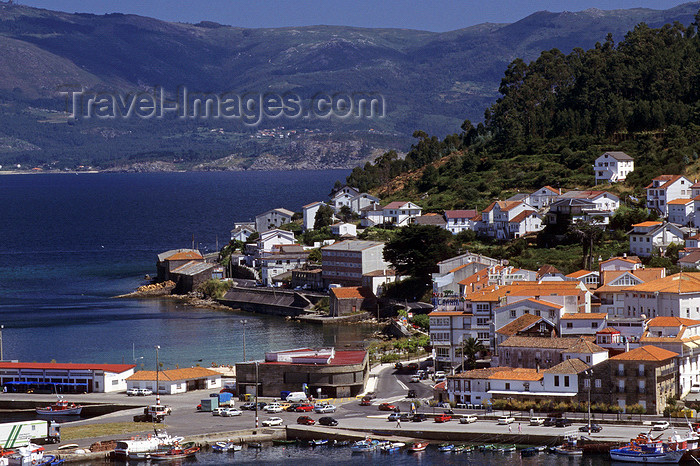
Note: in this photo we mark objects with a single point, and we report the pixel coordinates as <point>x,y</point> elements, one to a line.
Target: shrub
<point>214,289</point>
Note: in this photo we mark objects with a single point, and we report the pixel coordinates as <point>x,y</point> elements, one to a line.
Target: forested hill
<point>558,113</point>
<point>430,81</point>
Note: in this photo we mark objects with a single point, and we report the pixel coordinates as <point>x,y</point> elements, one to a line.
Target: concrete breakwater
<point>270,301</point>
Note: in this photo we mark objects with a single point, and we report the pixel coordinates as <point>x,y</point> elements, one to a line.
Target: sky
<point>431,15</point>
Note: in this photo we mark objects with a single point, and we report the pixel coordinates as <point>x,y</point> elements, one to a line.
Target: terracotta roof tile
<point>471,213</point>
<point>562,343</point>
<point>484,373</point>
<point>579,273</point>
<point>518,374</point>
<point>664,321</point>
<point>646,353</point>
<point>172,375</point>
<point>522,216</point>
<point>569,366</point>
<point>182,256</point>
<point>688,282</point>
<point>679,202</point>
<point>584,315</point>
<point>610,330</point>
<point>521,323</point>
<point>351,292</point>
<point>584,346</point>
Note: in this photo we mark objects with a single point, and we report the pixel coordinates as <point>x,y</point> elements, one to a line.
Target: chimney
<point>627,345</point>
<point>537,366</point>
<point>624,254</point>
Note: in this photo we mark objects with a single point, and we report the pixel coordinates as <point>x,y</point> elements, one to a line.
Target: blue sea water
<point>68,243</point>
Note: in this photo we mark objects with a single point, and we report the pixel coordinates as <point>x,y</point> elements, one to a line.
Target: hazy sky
<point>432,15</point>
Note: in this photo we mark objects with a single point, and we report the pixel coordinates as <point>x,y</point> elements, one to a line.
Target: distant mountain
<point>430,81</point>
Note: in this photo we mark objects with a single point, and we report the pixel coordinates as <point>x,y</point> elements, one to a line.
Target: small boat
<point>392,447</point>
<point>222,447</point>
<point>570,447</point>
<point>319,442</point>
<point>532,451</point>
<point>487,448</point>
<point>463,448</point>
<point>364,445</point>
<point>285,442</point>
<point>342,443</point>
<point>138,446</point>
<point>176,452</point>
<point>419,446</point>
<point>50,460</point>
<point>506,448</point>
<point>29,454</point>
<point>446,447</point>
<point>256,445</point>
<point>60,408</point>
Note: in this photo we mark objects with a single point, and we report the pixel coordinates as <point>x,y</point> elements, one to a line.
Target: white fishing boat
<point>133,447</point>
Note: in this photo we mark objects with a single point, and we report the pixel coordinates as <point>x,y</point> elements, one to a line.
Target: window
<point>569,325</point>
<point>513,313</point>
<point>507,386</point>
<point>588,359</point>
<point>587,383</point>
<point>442,352</point>
<point>594,324</point>
<point>566,380</point>
<point>598,383</point>
<point>556,380</point>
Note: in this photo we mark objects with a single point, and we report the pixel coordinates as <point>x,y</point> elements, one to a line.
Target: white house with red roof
<point>400,213</point>
<point>526,222</point>
<point>612,167</point>
<point>665,188</point>
<point>649,237</point>
<point>460,220</point>
<point>620,263</point>
<point>65,377</point>
<point>587,277</point>
<point>681,211</point>
<point>496,218</point>
<point>582,323</point>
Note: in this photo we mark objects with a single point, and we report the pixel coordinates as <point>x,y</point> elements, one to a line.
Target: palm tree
<point>470,349</point>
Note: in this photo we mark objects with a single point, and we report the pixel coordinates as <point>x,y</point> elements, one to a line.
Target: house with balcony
<point>589,278</point>
<point>400,213</point>
<point>645,375</point>
<point>460,220</point>
<point>650,237</point>
<point>612,167</point>
<point>666,188</point>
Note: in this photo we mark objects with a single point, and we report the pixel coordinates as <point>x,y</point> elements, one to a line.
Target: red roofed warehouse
<point>326,371</point>
<point>64,377</point>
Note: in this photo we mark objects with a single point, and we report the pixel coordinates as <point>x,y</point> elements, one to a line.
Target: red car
<point>387,407</point>
<point>366,402</point>
<point>304,409</point>
<point>305,420</point>
<point>442,418</point>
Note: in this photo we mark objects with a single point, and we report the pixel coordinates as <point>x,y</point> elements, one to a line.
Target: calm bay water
<point>68,243</point>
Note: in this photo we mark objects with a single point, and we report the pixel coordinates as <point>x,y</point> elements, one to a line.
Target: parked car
<point>414,378</point>
<point>230,412</point>
<point>217,411</point>
<point>394,416</point>
<point>273,408</point>
<point>305,420</point>
<point>132,392</point>
<point>468,419</point>
<point>537,421</point>
<point>419,417</point>
<point>321,409</point>
<point>660,425</point>
<point>506,420</point>
<point>304,409</point>
<point>328,421</point>
<point>563,422</point>
<point>249,406</point>
<point>388,407</point>
<point>695,388</point>
<point>273,421</point>
<point>443,418</point>
<point>594,428</point>
<point>139,392</point>
<point>550,421</point>
<point>365,402</point>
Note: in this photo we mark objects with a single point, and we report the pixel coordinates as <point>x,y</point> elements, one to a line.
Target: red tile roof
<point>585,315</point>
<point>182,256</point>
<point>646,224</point>
<point>351,292</point>
<point>579,273</point>
<point>471,213</point>
<point>610,330</point>
<point>522,216</point>
<point>664,321</point>
<point>646,353</point>
<point>521,323</point>
<point>187,373</point>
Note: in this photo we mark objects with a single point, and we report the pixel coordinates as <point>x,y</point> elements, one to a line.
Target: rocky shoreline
<point>164,290</point>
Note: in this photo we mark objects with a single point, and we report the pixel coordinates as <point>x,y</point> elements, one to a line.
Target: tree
<point>324,217</point>
<point>588,233</point>
<point>416,250</point>
<point>470,349</point>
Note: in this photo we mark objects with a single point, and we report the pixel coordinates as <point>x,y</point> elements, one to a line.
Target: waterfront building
<point>170,260</point>
<point>190,275</point>
<point>377,280</point>
<point>281,261</point>
<point>56,377</point>
<point>666,188</point>
<point>345,262</point>
<point>645,376</point>
<point>612,167</point>
<point>310,279</point>
<point>272,219</point>
<point>346,301</point>
<point>242,232</point>
<point>173,381</point>
<point>328,372</point>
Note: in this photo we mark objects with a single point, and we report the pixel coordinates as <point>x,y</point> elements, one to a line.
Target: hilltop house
<point>460,220</point>
<point>341,197</point>
<point>362,200</point>
<point>665,188</point>
<point>681,211</point>
<point>309,214</point>
<point>543,197</point>
<point>401,213</point>
<point>612,167</point>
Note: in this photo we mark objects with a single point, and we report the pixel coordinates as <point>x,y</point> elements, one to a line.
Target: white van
<point>296,397</point>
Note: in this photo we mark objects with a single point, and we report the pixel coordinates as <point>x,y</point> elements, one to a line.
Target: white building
<point>543,197</point>
<point>344,229</point>
<point>242,232</point>
<point>495,219</point>
<point>582,323</point>
<point>65,377</point>
<point>650,237</point>
<point>460,220</point>
<point>401,213</point>
<point>675,296</point>
<point>665,188</point>
<point>362,200</point>
<point>612,167</point>
<point>526,222</point>
<point>309,214</point>
<point>372,215</point>
<point>345,262</point>
<point>620,263</point>
<point>342,197</point>
<point>681,211</point>
<point>271,239</point>
<point>615,284</point>
<point>272,219</point>
<point>173,381</point>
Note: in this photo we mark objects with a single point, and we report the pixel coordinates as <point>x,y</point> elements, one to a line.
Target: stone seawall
<point>267,301</point>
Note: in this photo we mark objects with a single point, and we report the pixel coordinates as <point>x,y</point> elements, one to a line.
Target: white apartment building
<point>345,262</point>
<point>272,219</point>
<point>675,296</point>
<point>646,238</point>
<point>665,188</point>
<point>681,211</point>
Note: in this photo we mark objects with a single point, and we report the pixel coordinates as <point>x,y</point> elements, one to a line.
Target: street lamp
<point>1,353</point>
<point>257,388</point>
<point>589,373</point>
<point>243,322</point>
<point>157,370</point>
